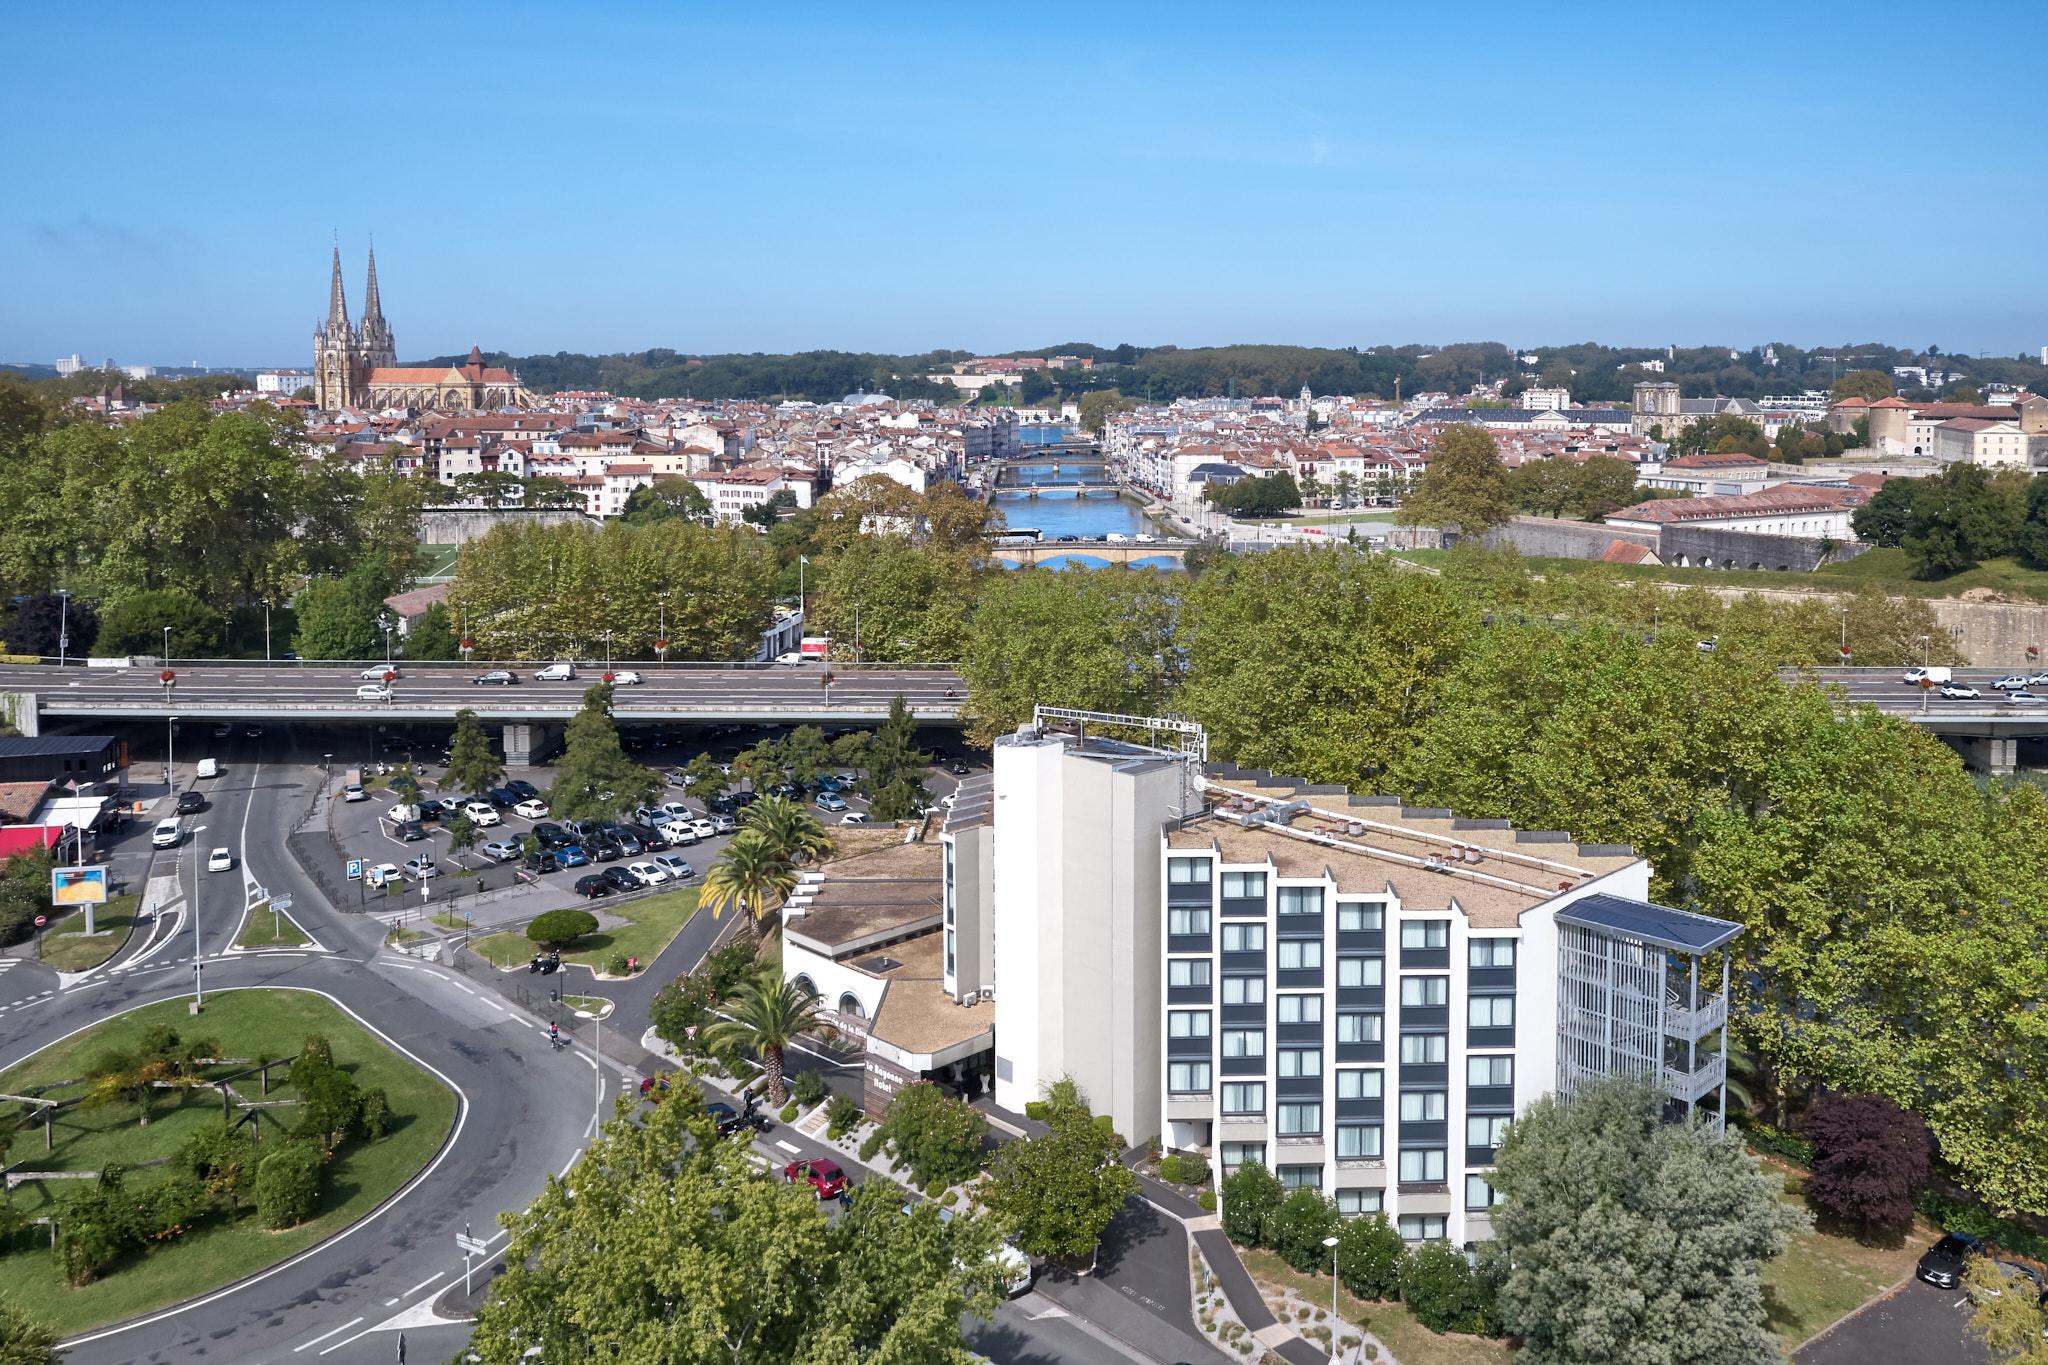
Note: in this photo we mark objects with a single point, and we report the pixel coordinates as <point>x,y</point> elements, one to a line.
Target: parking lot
<point>1914,1322</point>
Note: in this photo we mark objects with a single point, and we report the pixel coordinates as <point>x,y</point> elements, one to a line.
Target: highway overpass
<point>1987,731</point>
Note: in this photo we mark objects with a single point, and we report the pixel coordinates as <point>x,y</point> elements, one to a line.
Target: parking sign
<point>355,869</point>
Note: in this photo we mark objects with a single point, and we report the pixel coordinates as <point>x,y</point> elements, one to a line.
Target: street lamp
<point>1330,1245</point>
<point>167,644</point>
<point>198,981</point>
<point>63,626</point>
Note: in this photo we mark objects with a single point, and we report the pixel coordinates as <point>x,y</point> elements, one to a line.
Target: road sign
<point>355,869</point>
<point>283,902</point>
<point>470,1246</point>
<point>41,921</point>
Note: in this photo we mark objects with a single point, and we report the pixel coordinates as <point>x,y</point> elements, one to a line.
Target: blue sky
<point>778,177</point>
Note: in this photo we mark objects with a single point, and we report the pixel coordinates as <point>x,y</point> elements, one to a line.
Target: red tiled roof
<point>1784,500</point>
<point>1716,459</point>
<point>1625,552</point>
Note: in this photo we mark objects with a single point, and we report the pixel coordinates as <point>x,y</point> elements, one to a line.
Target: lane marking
<point>423,1284</point>
<point>789,1147</point>
<point>324,1335</point>
<point>346,1341</point>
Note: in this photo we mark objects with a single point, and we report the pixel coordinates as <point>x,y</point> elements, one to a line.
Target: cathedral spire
<point>337,302</point>
<point>373,308</point>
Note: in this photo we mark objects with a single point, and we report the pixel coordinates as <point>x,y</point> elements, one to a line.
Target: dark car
<point>524,790</point>
<point>540,860</point>
<point>727,804</point>
<point>552,835</point>
<point>1942,1265</point>
<point>1070,540</point>
<point>745,799</point>
<point>497,677</point>
<point>621,880</point>
<point>504,798</point>
<point>411,831</point>
<point>593,885</point>
<point>572,855</point>
<point>650,839</point>
<point>724,1118</point>
<point>823,1176</point>
<point>629,844</point>
<point>788,791</point>
<point>191,803</point>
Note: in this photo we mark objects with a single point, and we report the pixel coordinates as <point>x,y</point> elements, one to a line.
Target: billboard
<point>78,885</point>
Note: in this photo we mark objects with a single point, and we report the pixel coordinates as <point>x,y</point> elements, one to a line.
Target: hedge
<point>1955,1215</point>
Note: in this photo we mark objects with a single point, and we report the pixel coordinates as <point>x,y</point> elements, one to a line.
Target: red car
<point>825,1176</point>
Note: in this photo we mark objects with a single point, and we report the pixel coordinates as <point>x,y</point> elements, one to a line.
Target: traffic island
<point>636,927</point>
<point>66,946</point>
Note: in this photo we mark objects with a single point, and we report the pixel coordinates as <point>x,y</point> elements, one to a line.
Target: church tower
<point>377,349</point>
<point>334,349</point>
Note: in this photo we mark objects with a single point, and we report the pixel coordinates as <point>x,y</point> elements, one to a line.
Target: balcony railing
<point>1690,1086</point>
<point>1694,1023</point>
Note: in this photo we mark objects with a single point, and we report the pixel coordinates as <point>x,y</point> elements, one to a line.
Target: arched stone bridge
<point>1024,555</point>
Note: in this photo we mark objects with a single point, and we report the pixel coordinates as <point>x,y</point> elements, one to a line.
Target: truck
<point>814,648</point>
<point>208,768</point>
<point>1933,676</point>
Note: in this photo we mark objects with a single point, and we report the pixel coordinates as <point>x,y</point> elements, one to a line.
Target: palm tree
<point>752,875</point>
<point>765,1015</point>
<point>788,827</point>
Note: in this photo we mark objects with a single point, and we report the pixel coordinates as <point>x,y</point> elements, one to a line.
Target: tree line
<point>1954,521</point>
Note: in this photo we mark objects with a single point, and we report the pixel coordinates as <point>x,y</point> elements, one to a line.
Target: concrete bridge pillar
<point>1988,753</point>
<point>530,741</point>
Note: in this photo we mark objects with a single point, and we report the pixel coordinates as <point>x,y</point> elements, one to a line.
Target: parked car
<point>724,1117</point>
<point>504,798</point>
<point>572,855</point>
<point>624,677</point>
<point>956,767</point>
<point>522,789</point>
<point>483,814</point>
<point>449,806</point>
<point>353,791</point>
<point>497,677</point>
<point>824,1176</point>
<point>649,839</point>
<point>2010,1273</point>
<point>677,866</point>
<point>531,809</point>
<point>382,874</point>
<point>220,860</point>
<point>556,673</point>
<point>379,673</point>
<point>409,831</point>
<point>552,836</point>
<point>191,803</point>
<point>676,810</point>
<point>592,885</point>
<point>501,850</point>
<point>853,817</point>
<point>680,833</point>
<point>1959,692</point>
<point>831,801</point>
<point>421,868</point>
<point>167,833</point>
<point>788,791</point>
<point>373,692</point>
<point>621,878</point>
<point>540,860</point>
<point>647,873</point>
<point>1941,1265</point>
<point>789,660</point>
<point>722,824</point>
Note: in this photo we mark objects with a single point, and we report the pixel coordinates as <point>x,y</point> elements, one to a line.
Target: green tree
<point>751,875</point>
<point>1297,1228</point>
<point>1605,484</point>
<point>1057,1193</point>
<point>1722,432</point>
<point>665,1245</point>
<point>2014,1327</point>
<point>542,491</point>
<point>1251,1196</point>
<point>462,835</point>
<point>1888,516</point>
<point>432,636</point>
<point>1369,1255</point>
<point>472,767</point>
<point>1441,1290</point>
<point>1870,385</point>
<point>23,1339</point>
<point>594,779</point>
<point>765,1015</point>
<point>1099,406</point>
<point>134,624</point>
<point>788,829</point>
<point>896,767</point>
<point>768,511</point>
<point>339,618</point>
<point>388,513</point>
<point>885,598</point>
<point>1544,487</point>
<point>1630,1238</point>
<point>1463,488</point>
<point>665,499</point>
<point>560,928</point>
<point>1961,517</point>
<point>495,488</point>
<point>937,1137</point>
<point>288,1184</point>
<point>707,775</point>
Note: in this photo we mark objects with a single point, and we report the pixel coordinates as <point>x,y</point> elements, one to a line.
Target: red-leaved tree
<point>1870,1158</point>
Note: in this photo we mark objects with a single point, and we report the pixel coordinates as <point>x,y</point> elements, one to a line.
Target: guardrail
<point>478,664</point>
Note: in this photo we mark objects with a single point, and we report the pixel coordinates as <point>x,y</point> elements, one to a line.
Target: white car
<point>703,829</point>
<point>625,677</point>
<point>382,874</point>
<point>647,873</point>
<point>679,832</point>
<point>421,868</point>
<point>1959,692</point>
<point>2011,682</point>
<point>501,850</point>
<point>354,792</point>
<point>483,814</point>
<point>535,809</point>
<point>678,869</point>
<point>167,833</point>
<point>373,692</point>
<point>220,860</point>
<point>853,817</point>
<point>676,810</point>
<point>792,660</point>
<point>378,672</point>
<point>556,673</point>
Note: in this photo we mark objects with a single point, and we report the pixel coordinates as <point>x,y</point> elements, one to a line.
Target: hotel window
<point>1424,1049</point>
<point>1492,952</point>
<point>1479,1194</point>
<point>1235,1154</point>
<point>1357,1027</point>
<point>1244,938</point>
<point>1187,1023</point>
<point>1299,954</point>
<point>1426,933</point>
<point>1351,1203</point>
<point>1489,1071</point>
<point>1301,900</point>
<point>1187,919</point>
<point>1425,990</point>
<point>1490,1011</point>
<point>1300,1177</point>
<point>1422,1166</point>
<point>1244,1097</point>
<point>1244,990</point>
<point>1360,916</point>
<point>1298,1120</point>
<point>1185,1078</point>
<point>1360,971</point>
<point>1300,1009</point>
<point>1296,1062</point>
<point>1355,1084</point>
<point>1422,1227</point>
<point>1187,971</point>
<point>1244,886</point>
<point>1422,1106</point>
<point>1244,1042</point>
<point>1485,1130</point>
<point>1188,871</point>
<point>1358,1140</point>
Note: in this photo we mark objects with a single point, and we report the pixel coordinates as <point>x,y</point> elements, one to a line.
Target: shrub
<point>1956,1215</point>
<point>559,928</point>
<point>870,1145</point>
<point>788,1112</point>
<point>374,1116</point>
<point>1441,1290</point>
<point>1107,1125</point>
<point>1870,1158</point>
<point>288,1184</point>
<point>1778,1142</point>
<point>1369,1254</point>
<point>808,1087</point>
<point>168,1208</point>
<point>1169,1168</point>
<point>1250,1193</point>
<point>1194,1170</point>
<point>1035,1110</point>
<point>841,1115</point>
<point>223,1161</point>
<point>618,964</point>
<point>936,1136</point>
<point>1207,1199</point>
<point>1297,1228</point>
<point>96,1228</point>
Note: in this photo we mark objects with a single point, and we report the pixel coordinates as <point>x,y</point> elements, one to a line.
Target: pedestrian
<point>845,1200</point>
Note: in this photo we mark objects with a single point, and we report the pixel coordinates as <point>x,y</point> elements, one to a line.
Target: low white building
<point>734,491</point>
<point>1787,510</point>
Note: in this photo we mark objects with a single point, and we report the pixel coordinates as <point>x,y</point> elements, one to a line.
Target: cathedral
<point>357,366</point>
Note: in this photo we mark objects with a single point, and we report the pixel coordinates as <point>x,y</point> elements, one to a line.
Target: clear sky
<point>786,176</point>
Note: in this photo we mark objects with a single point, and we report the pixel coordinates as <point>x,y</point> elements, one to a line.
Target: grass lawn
<point>1410,1342</point>
<point>1823,1277</point>
<point>242,1023</point>
<point>66,947</point>
<point>264,930</point>
<point>654,921</point>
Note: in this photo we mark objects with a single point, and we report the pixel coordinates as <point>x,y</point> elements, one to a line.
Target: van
<point>402,813</point>
<point>1932,677</point>
<point>556,673</point>
<point>208,768</point>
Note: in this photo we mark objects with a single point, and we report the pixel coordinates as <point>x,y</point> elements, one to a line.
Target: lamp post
<point>198,967</point>
<point>167,644</point>
<point>1845,634</point>
<point>170,751</point>
<point>1330,1245</point>
<point>266,632</point>
<point>63,626</point>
